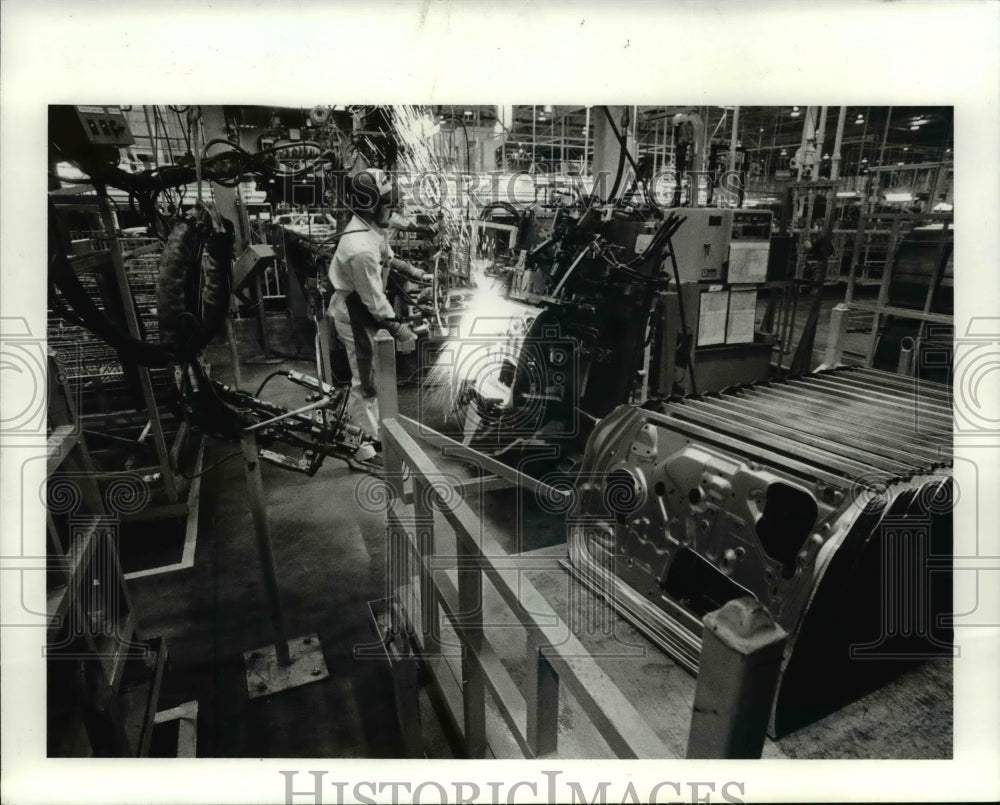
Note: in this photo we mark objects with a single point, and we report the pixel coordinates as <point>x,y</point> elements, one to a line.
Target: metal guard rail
<point>554,657</point>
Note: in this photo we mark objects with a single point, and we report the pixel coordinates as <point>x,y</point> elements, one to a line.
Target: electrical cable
<point>663,233</point>
<point>60,308</point>
<point>468,150</point>
<point>166,132</point>
<point>499,205</point>
<point>621,159</point>
<point>625,153</point>
<point>64,277</point>
<point>683,316</point>
<point>197,165</point>
<point>185,129</point>
<point>267,380</point>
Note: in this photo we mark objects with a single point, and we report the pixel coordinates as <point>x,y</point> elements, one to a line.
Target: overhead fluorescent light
<point>898,197</point>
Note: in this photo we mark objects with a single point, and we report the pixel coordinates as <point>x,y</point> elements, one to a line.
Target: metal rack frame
<point>89,615</point>
<point>880,307</point>
<point>111,260</point>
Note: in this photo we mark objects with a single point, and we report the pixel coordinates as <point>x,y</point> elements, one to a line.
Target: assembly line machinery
<point>189,290</point>
<point>826,496</point>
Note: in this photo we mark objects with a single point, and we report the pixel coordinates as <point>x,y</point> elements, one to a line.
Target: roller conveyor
<point>794,492</point>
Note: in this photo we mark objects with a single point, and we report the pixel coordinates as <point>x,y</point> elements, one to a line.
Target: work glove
<point>427,278</point>
<point>401,332</point>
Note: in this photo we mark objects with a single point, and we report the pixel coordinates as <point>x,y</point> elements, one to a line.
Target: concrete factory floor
<point>330,557</point>
<point>329,553</point>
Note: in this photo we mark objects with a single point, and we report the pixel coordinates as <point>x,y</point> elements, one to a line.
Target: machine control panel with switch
<point>94,125</point>
<point>701,245</point>
<point>104,125</point>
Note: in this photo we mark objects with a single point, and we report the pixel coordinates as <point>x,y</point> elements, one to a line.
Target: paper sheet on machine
<point>712,321</point>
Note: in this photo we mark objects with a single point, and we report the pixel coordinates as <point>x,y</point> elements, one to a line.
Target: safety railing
<point>881,307</point>
<point>451,584</point>
<point>555,658</point>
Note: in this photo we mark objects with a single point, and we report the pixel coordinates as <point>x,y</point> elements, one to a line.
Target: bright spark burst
<point>486,334</point>
<point>422,166</point>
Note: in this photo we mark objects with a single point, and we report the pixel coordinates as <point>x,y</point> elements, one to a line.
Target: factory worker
<point>358,272</point>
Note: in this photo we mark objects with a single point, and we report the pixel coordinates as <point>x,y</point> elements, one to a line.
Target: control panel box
<point>96,125</point>
<point>701,245</point>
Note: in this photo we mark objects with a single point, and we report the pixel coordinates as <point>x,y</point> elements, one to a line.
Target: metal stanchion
<point>835,339</point>
<point>286,663</point>
<point>905,364</point>
<point>738,671</point>
<point>388,405</point>
<point>234,354</point>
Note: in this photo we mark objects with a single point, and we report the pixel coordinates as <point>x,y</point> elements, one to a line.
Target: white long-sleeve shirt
<point>361,263</point>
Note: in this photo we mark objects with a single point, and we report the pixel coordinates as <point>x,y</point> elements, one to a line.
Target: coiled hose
<point>193,286</point>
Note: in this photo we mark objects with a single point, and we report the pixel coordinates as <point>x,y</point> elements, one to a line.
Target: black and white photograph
<point>507,435</point>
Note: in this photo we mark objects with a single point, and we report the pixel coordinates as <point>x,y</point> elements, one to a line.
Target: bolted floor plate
<point>265,677</point>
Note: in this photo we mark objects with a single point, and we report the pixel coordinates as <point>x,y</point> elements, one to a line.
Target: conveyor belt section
<point>854,423</point>
<point>784,491</point>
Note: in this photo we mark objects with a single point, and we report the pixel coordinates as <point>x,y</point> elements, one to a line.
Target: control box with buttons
<point>104,125</point>
<point>87,133</point>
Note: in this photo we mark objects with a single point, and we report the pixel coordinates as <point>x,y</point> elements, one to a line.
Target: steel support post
<point>738,671</point>
<point>285,664</point>
<point>392,462</point>
<point>388,405</point>
<point>469,625</point>
<point>234,353</point>
<point>541,699</point>
<point>607,151</point>
<point>262,536</point>
<point>905,364</point>
<point>837,142</point>
<point>132,323</point>
<point>213,125</point>
<point>731,164</point>
<point>835,339</point>
<point>423,521</point>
